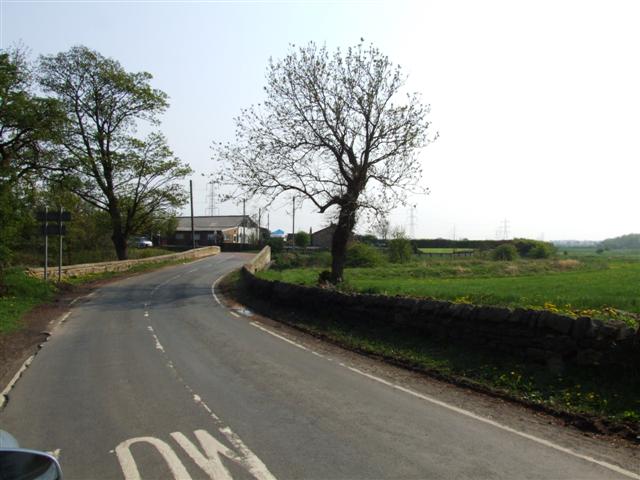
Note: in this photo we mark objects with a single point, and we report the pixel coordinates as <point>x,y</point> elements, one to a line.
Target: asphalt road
<point>152,378</point>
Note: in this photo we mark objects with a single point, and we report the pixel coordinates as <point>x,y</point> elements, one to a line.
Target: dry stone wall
<point>70,271</point>
<point>535,335</point>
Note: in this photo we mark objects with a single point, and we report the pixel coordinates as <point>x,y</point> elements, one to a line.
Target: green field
<point>588,285</point>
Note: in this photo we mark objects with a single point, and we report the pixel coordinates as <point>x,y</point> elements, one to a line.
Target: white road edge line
<point>234,314</point>
<point>257,325</point>
<point>213,290</point>
<point>14,380</point>
<point>467,413</point>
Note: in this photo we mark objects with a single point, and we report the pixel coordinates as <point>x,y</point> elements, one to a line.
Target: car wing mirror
<point>23,464</point>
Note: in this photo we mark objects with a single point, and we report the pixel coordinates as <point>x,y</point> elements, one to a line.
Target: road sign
<point>52,216</point>
<point>54,229</point>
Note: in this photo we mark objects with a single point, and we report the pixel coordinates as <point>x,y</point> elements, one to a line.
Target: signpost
<point>57,228</point>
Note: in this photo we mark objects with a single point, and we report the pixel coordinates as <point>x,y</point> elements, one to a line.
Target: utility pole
<point>269,221</point>
<point>412,221</point>
<point>259,225</point>
<point>243,218</point>
<point>193,236</point>
<point>293,227</point>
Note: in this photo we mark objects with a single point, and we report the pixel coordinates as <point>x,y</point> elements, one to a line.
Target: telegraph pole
<point>193,236</point>
<point>412,221</point>
<point>259,225</point>
<point>243,218</point>
<point>293,227</point>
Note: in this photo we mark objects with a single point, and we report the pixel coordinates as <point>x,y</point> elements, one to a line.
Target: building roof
<point>219,222</point>
<point>332,227</point>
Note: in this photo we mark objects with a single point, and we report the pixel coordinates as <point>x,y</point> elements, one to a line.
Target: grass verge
<point>23,293</point>
<point>595,398</point>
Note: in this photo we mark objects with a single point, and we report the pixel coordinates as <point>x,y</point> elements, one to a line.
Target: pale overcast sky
<point>537,103</point>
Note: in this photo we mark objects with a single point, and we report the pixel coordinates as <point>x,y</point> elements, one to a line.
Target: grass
<point>594,286</point>
<point>23,293</point>
<point>596,391</point>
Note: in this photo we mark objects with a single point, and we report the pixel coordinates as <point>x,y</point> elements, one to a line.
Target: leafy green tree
<point>276,244</point>
<point>400,250</point>
<point>363,255</point>
<point>302,239</point>
<point>505,252</point>
<point>27,124</point>
<point>133,180</point>
<point>335,129</point>
<point>631,241</point>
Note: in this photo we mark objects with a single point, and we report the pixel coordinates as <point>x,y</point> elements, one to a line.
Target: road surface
<point>151,377</point>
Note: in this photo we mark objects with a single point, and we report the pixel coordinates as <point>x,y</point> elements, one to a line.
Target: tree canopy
<point>101,159</point>
<point>334,129</point>
<point>27,121</point>
<point>28,124</point>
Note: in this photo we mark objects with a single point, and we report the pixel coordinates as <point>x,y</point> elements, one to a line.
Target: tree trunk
<point>346,222</point>
<point>120,243</point>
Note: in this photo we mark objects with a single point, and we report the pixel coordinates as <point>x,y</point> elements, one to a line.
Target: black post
<point>193,236</point>
<point>60,246</point>
<point>46,244</point>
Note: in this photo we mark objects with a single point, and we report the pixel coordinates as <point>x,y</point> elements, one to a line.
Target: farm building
<point>323,238</point>
<point>216,230</point>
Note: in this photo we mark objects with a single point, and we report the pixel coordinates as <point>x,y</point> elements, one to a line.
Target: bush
<point>302,239</point>
<point>276,244</point>
<point>533,248</point>
<point>400,250</point>
<point>541,250</point>
<point>287,260</point>
<point>363,255</point>
<point>505,252</point>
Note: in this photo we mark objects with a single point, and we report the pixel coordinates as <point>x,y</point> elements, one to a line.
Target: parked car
<point>143,242</point>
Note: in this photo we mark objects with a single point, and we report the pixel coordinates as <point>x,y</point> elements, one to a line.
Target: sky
<point>537,104</point>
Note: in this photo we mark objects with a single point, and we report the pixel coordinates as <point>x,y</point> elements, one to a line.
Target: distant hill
<point>631,240</point>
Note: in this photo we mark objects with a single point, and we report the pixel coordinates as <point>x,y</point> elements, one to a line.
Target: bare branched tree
<point>331,131</point>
